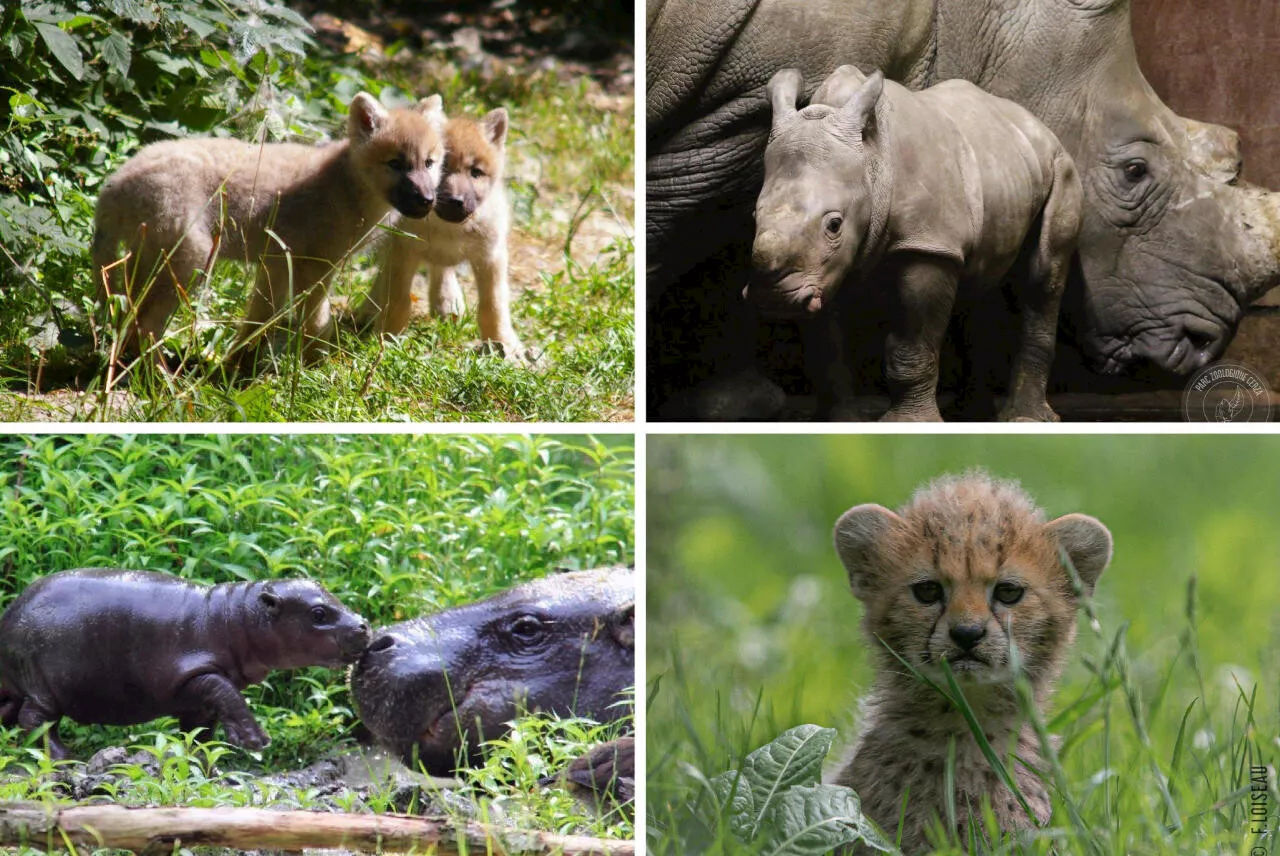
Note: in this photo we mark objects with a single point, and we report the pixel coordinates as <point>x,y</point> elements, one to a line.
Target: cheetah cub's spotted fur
<point>966,572</point>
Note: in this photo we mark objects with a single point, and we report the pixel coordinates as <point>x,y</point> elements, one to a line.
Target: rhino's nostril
<point>382,643</point>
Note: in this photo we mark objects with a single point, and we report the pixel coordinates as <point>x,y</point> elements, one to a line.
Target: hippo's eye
<point>526,629</point>
<point>1135,170</point>
<point>832,224</point>
<point>927,592</point>
<point>319,615</point>
<point>1008,593</point>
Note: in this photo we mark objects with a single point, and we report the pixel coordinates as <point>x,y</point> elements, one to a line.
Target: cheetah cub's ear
<point>1086,541</point>
<point>864,542</point>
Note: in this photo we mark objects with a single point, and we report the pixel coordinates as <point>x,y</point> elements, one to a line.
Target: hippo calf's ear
<point>857,117</point>
<point>1087,543</point>
<point>863,535</point>
<point>268,598</point>
<point>622,625</point>
<point>783,91</point>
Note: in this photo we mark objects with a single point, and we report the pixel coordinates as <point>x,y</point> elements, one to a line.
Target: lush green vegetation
<point>82,90</point>
<point>394,525</point>
<point>1171,693</point>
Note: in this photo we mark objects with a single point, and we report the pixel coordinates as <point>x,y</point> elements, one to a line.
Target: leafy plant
<point>777,804</point>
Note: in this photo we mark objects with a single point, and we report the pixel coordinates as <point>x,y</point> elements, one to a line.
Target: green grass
<point>394,525</point>
<point>1170,696</point>
<point>566,159</point>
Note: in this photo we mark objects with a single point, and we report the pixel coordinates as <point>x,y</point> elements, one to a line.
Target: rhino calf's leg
<point>1041,296</point>
<point>924,290</point>
<point>214,692</point>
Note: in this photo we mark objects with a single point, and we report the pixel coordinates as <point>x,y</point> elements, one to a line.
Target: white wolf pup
<point>470,223</point>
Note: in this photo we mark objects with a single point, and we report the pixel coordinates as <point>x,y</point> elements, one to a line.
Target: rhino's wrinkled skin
<point>924,194</point>
<point>1172,246</point>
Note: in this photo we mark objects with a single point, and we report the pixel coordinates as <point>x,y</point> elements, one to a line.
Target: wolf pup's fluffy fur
<point>299,210</point>
<point>470,223</point>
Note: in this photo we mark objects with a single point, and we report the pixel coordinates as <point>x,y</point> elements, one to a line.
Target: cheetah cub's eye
<point>927,592</point>
<point>1009,593</point>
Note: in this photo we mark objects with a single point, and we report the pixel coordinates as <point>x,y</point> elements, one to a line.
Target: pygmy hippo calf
<point>433,688</point>
<point>118,647</point>
<point>924,194</point>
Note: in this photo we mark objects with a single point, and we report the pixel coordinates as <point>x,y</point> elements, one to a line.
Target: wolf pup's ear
<point>433,108</point>
<point>366,117</point>
<point>495,126</point>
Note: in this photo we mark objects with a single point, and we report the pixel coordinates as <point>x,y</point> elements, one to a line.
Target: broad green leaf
<point>794,758</point>
<point>64,49</point>
<point>739,802</point>
<point>809,821</point>
<point>117,53</point>
<point>134,10</point>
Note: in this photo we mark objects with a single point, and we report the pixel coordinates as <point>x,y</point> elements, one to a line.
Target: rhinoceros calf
<point>924,194</point>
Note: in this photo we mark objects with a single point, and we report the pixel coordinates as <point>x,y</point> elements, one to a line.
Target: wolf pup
<point>297,209</point>
<point>470,223</point>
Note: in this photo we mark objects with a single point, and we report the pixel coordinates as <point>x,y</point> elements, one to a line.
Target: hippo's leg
<point>923,291</point>
<point>1041,295</point>
<point>35,713</point>
<point>199,720</point>
<point>214,692</point>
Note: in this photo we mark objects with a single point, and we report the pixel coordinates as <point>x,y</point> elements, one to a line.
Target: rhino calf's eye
<point>928,592</point>
<point>833,224</point>
<point>1135,171</point>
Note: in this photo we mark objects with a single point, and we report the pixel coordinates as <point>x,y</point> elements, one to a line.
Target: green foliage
<point>394,525</point>
<point>778,805</point>
<point>80,88</point>
<point>1168,698</point>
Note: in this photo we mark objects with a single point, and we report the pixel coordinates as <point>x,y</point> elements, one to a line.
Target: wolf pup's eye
<point>927,592</point>
<point>1009,593</point>
<point>398,164</point>
<point>477,172</point>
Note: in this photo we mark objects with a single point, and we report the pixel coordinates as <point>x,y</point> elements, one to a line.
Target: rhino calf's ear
<point>858,116</point>
<point>1087,542</point>
<point>783,91</point>
<point>862,537</point>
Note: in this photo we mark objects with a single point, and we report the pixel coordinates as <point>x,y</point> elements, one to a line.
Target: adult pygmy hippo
<point>434,687</point>
<point>118,647</point>
<point>927,193</point>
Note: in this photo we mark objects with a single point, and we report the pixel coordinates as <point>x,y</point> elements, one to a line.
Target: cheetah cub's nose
<point>968,635</point>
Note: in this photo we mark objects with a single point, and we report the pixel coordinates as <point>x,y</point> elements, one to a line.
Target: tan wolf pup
<point>470,222</point>
<point>298,209</point>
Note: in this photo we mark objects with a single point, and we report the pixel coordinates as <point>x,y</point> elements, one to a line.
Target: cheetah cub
<point>967,571</point>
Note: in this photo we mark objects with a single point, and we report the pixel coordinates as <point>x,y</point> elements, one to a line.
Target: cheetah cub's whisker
<point>967,572</point>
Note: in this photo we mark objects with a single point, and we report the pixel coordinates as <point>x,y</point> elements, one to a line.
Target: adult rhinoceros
<point>1173,246</point>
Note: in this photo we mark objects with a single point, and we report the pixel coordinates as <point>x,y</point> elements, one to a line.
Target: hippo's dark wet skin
<point>114,647</point>
<point>433,688</point>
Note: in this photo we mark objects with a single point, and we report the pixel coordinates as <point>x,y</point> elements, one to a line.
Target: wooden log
<point>159,830</point>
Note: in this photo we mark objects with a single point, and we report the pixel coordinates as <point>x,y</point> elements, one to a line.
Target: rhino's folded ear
<point>858,116</point>
<point>783,91</point>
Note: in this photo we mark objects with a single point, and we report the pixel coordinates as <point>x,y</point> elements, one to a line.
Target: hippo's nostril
<point>382,643</point>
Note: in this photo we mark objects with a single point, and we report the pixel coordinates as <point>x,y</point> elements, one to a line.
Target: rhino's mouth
<point>775,299</point>
<point>1180,347</point>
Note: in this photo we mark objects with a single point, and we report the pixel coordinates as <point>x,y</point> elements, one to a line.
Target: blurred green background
<point>752,628</point>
